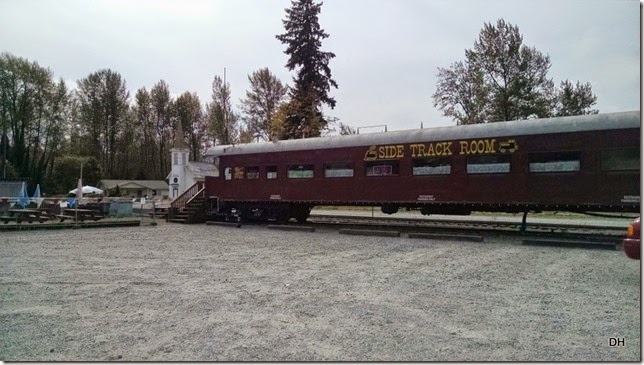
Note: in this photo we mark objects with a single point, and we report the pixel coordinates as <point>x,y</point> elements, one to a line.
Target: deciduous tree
<point>190,115</point>
<point>222,121</point>
<point>104,106</point>
<point>162,116</point>
<point>575,99</point>
<point>32,108</point>
<point>262,101</point>
<point>503,79</point>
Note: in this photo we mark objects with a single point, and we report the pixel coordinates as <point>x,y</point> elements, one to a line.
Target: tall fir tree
<point>303,39</point>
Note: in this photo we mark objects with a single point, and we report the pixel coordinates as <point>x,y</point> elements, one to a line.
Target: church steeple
<point>179,138</point>
<point>179,158</point>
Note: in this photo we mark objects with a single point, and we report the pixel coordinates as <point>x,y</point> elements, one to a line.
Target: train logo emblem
<point>509,146</point>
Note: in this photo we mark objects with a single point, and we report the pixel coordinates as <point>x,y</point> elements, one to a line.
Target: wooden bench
<point>39,218</point>
<point>7,219</point>
<point>63,217</point>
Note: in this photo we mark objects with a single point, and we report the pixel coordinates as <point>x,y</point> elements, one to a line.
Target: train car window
<point>382,168</point>
<point>488,164</point>
<point>252,173</point>
<point>554,162</point>
<point>627,159</point>
<point>300,172</point>
<point>271,172</point>
<point>338,169</point>
<point>431,166</point>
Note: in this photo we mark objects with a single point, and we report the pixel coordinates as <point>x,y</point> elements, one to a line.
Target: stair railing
<point>180,202</point>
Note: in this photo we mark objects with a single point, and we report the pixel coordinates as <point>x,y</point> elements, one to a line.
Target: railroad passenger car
<point>579,163</point>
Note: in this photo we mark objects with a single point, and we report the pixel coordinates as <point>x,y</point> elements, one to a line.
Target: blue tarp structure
<point>23,198</point>
<point>36,197</point>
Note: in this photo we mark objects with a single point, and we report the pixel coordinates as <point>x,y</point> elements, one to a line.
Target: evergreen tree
<point>303,39</point>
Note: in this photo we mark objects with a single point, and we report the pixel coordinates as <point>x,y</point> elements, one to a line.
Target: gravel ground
<point>210,293</point>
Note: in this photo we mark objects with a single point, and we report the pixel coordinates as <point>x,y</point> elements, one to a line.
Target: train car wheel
<point>301,213</point>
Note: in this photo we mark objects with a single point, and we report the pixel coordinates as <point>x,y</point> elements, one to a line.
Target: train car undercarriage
<point>282,212</point>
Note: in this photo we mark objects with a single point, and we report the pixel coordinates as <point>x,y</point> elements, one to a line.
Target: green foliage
<point>115,191</point>
<point>262,102</point>
<point>32,118</point>
<point>502,79</point>
<point>222,121</point>
<point>346,129</point>
<point>303,38</point>
<point>145,134</point>
<point>104,105</point>
<point>462,94</point>
<point>301,121</point>
<point>68,170</point>
<point>575,100</point>
<point>162,114</point>
<point>189,114</point>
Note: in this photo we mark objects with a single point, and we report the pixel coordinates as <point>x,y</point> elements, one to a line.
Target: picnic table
<point>80,214</point>
<point>21,215</point>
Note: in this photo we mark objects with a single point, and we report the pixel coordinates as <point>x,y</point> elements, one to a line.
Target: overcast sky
<point>387,51</point>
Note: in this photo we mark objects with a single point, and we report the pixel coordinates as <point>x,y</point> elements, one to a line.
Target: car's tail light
<point>633,231</point>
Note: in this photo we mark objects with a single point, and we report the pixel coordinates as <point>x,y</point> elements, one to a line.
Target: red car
<point>632,241</point>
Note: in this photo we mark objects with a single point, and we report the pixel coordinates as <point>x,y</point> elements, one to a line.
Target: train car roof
<point>605,121</point>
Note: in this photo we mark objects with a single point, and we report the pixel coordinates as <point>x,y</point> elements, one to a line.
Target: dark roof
<point>499,129</point>
<point>10,189</point>
<point>150,184</point>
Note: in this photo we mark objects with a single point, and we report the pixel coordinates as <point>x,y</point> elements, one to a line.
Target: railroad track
<point>555,232</point>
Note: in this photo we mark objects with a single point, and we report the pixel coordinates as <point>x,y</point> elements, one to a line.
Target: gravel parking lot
<point>210,293</point>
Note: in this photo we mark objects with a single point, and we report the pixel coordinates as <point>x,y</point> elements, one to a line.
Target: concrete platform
<point>570,243</point>
<point>224,224</point>
<point>370,232</point>
<point>66,225</point>
<point>565,219</point>
<point>440,236</point>
<point>291,228</point>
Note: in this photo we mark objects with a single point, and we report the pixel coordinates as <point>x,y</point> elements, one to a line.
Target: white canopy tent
<point>87,190</point>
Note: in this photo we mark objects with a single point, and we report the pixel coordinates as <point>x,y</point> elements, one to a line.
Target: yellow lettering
<point>446,148</point>
<point>430,150</point>
<point>421,150</point>
<point>489,146</point>
<point>388,152</point>
<point>439,149</point>
<point>464,149</point>
<point>413,147</point>
<point>478,146</point>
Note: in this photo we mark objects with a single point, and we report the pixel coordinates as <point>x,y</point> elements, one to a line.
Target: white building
<point>185,173</point>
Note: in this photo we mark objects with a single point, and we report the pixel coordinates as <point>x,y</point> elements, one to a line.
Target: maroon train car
<point>580,163</point>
